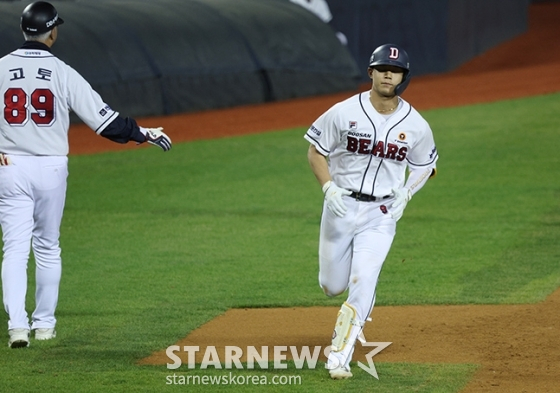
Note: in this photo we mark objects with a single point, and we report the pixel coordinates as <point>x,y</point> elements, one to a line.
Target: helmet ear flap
<point>404,84</point>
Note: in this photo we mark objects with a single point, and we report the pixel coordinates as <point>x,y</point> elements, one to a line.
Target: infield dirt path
<point>518,346</point>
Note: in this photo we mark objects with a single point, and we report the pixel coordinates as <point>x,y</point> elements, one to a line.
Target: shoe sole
<point>19,344</point>
<point>341,375</point>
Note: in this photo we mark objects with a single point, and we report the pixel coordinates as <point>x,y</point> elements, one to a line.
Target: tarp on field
<point>168,56</point>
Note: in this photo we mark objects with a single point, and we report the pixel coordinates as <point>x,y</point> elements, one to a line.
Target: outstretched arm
<point>122,130</point>
<point>99,116</point>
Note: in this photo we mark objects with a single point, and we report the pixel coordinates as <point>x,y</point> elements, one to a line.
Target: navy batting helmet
<point>394,55</point>
<point>39,17</point>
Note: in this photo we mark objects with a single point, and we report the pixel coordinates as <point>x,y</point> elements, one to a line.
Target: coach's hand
<point>402,196</point>
<point>333,196</point>
<point>157,137</point>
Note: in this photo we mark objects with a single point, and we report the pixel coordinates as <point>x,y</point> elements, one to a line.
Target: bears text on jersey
<point>390,151</point>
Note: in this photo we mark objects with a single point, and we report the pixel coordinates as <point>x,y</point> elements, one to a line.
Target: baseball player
<point>38,91</point>
<point>371,153</point>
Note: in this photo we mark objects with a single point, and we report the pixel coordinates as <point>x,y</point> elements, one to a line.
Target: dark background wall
<point>168,56</point>
<point>438,35</point>
<point>154,57</point>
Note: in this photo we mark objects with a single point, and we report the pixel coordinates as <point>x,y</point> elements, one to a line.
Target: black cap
<point>39,17</point>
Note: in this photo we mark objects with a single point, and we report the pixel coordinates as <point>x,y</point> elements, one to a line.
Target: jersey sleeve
<point>123,130</point>
<point>87,103</point>
<point>424,154</point>
<point>324,133</point>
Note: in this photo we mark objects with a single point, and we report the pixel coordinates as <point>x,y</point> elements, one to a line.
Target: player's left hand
<point>157,137</point>
<point>402,196</point>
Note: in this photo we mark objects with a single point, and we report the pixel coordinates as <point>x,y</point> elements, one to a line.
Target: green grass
<point>491,216</point>
<point>155,245</point>
<point>394,377</point>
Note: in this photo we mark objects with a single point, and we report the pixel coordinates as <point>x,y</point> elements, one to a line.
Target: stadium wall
<point>158,57</point>
<point>439,35</point>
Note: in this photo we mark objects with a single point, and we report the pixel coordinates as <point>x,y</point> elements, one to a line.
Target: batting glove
<point>157,137</point>
<point>333,196</point>
<point>402,196</point>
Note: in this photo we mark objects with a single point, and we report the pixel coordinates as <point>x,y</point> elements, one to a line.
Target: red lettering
<point>378,150</point>
<point>364,146</point>
<point>391,151</point>
<point>402,153</point>
<point>352,145</point>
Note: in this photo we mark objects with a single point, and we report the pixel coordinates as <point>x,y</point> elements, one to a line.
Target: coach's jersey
<point>369,152</point>
<point>38,90</point>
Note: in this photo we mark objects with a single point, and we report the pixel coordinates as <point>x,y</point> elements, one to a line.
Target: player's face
<point>385,78</point>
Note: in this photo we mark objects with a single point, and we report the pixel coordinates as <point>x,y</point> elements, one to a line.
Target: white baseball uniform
<point>37,91</point>
<point>368,153</point>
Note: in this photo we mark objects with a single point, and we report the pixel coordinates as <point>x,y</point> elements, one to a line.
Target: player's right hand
<point>333,197</point>
<point>157,137</point>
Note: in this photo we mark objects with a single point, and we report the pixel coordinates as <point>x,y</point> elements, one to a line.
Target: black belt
<point>368,198</point>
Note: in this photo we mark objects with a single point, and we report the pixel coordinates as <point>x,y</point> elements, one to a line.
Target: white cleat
<point>340,372</point>
<point>45,333</point>
<point>19,338</point>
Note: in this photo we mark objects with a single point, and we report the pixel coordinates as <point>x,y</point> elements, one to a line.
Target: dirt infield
<point>518,346</point>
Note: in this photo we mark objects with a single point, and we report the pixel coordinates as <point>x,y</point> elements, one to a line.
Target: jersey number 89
<point>16,106</point>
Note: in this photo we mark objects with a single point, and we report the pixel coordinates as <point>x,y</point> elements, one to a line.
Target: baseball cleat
<point>340,372</point>
<point>45,333</point>
<point>19,338</point>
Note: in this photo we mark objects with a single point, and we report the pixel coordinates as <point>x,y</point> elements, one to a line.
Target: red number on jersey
<point>15,106</point>
<point>43,101</point>
<point>16,111</point>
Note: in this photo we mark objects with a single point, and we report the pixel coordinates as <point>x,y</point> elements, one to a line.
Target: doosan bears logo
<point>390,151</point>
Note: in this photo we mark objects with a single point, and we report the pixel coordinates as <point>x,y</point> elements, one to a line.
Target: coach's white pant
<point>352,250</point>
<point>32,196</point>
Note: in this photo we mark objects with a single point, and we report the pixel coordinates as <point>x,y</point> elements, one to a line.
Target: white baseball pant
<point>352,250</point>
<point>32,197</point>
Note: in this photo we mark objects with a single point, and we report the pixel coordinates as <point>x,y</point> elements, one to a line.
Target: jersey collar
<point>35,45</point>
